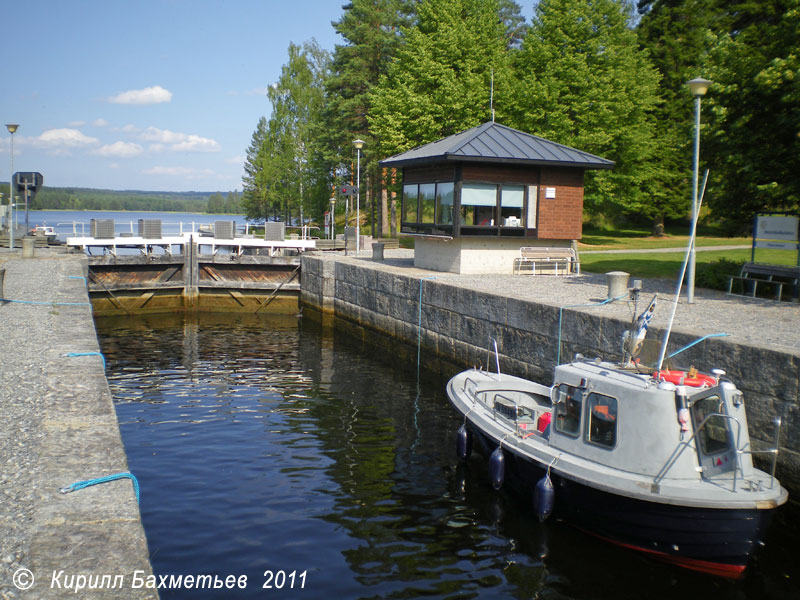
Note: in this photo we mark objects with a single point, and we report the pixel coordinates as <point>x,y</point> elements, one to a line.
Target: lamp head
<point>12,127</point>
<point>698,86</point>
<point>359,143</point>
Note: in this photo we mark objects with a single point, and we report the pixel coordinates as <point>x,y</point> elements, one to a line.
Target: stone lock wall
<point>457,324</point>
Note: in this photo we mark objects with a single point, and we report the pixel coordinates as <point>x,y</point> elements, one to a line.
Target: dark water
<point>267,445</point>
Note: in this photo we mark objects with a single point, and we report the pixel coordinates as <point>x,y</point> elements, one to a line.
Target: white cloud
<point>76,123</point>
<point>119,149</point>
<point>100,123</point>
<point>236,160</point>
<point>151,95</point>
<point>195,143</point>
<point>61,141</point>
<point>185,172</point>
<point>164,139</point>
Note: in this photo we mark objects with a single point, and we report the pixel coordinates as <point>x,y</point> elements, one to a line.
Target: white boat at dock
<point>654,460</point>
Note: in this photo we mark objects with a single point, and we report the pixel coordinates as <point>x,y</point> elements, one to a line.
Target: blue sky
<point>144,94</point>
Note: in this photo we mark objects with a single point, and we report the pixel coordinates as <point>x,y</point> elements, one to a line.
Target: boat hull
<point>712,540</point>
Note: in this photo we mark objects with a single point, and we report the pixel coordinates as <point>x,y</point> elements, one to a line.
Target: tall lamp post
<point>333,218</point>
<point>12,128</point>
<point>698,88</point>
<point>358,143</point>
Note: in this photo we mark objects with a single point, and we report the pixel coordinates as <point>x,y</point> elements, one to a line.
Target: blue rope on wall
<point>47,303</point>
<point>70,354</point>
<point>79,485</point>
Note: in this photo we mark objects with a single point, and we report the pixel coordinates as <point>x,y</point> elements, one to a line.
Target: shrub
<point>714,275</point>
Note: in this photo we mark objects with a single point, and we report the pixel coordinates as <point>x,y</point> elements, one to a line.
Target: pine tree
<point>677,36</point>
<point>751,140</point>
<point>254,195</point>
<point>582,80</point>
<point>440,82</point>
<point>513,21</point>
<point>371,30</point>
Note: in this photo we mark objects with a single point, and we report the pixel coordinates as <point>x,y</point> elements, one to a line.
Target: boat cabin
<point>475,198</point>
<point>628,421</point>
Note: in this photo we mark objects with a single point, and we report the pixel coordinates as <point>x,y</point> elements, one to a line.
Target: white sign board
<point>550,193</point>
<point>776,233</point>
<point>777,228</point>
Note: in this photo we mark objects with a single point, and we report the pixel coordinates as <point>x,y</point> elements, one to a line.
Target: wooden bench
<point>540,260</point>
<point>776,275</point>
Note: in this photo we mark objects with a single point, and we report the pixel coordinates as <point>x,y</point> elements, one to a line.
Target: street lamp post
<point>333,218</point>
<point>358,143</point>
<point>698,88</point>
<point>12,128</point>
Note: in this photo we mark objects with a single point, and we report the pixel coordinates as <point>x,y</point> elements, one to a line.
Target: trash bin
<point>377,250</point>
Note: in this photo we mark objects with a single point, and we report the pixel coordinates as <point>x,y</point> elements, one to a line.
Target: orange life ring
<point>681,378</point>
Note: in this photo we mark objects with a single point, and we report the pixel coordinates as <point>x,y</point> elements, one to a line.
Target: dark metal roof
<point>492,142</point>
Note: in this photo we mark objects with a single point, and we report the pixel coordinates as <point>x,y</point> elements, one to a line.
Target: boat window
<point>714,436</point>
<point>568,410</point>
<point>602,420</point>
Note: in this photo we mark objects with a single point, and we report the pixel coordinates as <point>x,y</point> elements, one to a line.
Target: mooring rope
<point>100,354</point>
<point>561,312</point>
<point>46,303</point>
<point>79,485</point>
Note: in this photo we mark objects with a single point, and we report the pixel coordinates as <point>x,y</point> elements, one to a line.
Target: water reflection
<point>266,443</point>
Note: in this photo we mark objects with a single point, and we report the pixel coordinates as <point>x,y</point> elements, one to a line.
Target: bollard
<point>28,245</point>
<point>2,277</point>
<point>377,250</point>
<point>617,283</point>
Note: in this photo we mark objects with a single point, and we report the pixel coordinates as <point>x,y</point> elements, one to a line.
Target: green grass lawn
<point>668,264</point>
<point>602,239</point>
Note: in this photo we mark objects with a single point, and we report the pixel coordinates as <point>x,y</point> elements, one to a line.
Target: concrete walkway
<point>58,426</point>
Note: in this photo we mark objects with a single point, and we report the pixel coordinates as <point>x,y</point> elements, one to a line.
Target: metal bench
<point>775,275</point>
<point>540,260</point>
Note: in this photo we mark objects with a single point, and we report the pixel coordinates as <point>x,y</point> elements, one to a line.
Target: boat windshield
<point>601,413</point>
<point>569,401</point>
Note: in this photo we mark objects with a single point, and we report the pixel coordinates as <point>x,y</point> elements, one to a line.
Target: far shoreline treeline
<point>75,198</point>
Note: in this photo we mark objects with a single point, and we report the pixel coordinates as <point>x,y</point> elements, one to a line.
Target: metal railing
<point>496,356</point>
<point>739,450</point>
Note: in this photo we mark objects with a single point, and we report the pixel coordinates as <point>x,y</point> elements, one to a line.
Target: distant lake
<point>76,222</point>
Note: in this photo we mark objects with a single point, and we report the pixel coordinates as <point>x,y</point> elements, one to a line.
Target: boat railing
<point>470,388</point>
<point>493,342</point>
<point>774,451</point>
<point>687,444</point>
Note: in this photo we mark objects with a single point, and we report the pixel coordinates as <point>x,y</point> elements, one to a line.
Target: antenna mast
<point>491,97</point>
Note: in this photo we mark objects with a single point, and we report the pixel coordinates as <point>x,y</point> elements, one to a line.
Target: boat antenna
<point>491,97</point>
<point>683,273</point>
